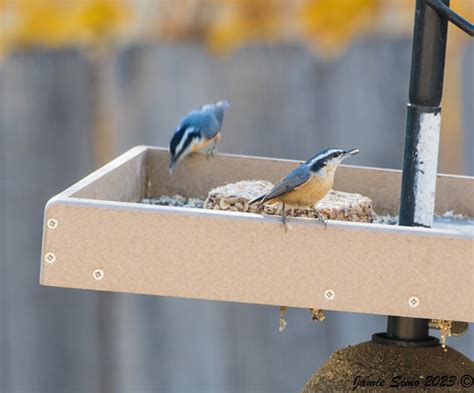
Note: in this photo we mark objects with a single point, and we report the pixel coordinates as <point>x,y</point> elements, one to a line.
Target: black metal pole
<point>421,149</point>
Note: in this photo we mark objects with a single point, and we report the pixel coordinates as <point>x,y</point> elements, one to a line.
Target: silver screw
<point>413,301</point>
<point>49,257</point>
<point>52,223</point>
<point>329,294</point>
<point>98,274</point>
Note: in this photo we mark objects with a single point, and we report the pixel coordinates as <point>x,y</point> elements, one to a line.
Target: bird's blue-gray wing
<point>296,178</point>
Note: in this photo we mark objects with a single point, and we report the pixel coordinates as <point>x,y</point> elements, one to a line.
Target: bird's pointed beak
<point>351,152</point>
<point>172,165</point>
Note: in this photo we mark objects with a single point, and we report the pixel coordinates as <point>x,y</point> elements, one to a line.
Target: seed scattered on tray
<point>448,220</point>
<point>386,219</point>
<point>336,205</point>
<point>175,200</point>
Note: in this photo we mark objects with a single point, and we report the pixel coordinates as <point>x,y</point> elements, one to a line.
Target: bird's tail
<point>258,200</point>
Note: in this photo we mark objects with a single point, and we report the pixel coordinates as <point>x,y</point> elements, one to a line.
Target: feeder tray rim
<point>221,214</point>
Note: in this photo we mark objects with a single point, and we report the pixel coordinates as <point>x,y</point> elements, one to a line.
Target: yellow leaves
<point>59,22</point>
<point>32,20</point>
<point>331,24</point>
<point>328,25</point>
<point>100,18</point>
<point>222,25</point>
<point>182,19</point>
<point>245,20</point>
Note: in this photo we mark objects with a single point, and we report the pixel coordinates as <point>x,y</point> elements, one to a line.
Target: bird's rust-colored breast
<point>309,193</point>
<point>205,143</point>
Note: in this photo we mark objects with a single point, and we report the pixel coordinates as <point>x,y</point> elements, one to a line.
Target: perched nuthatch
<point>197,130</point>
<point>307,184</point>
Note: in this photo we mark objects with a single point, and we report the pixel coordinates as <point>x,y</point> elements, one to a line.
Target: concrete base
<point>375,367</point>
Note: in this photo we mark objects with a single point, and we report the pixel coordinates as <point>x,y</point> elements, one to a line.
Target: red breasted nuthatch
<point>307,184</point>
<point>197,130</point>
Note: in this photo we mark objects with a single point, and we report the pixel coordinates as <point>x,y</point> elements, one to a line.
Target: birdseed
<point>175,200</point>
<point>282,322</point>
<point>317,314</point>
<point>336,205</point>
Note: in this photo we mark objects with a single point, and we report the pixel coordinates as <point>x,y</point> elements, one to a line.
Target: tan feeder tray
<point>97,236</point>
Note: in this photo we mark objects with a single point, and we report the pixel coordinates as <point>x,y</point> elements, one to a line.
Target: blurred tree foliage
<point>55,23</point>
<point>333,23</point>
<point>327,25</point>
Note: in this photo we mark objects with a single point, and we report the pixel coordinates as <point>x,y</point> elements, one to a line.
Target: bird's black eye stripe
<point>317,165</point>
<point>324,160</point>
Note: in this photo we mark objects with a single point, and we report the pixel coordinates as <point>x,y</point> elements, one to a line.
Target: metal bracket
<point>452,16</point>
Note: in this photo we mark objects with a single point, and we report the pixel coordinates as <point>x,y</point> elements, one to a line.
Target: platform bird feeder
<point>97,236</point>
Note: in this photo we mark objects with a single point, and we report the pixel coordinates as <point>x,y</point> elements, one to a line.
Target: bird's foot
<point>211,152</point>
<point>284,224</point>
<point>323,220</point>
